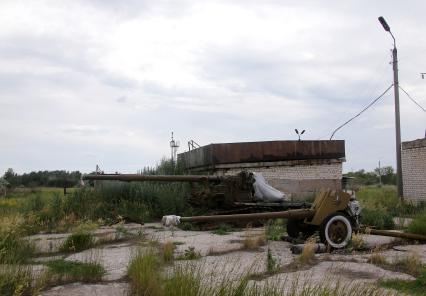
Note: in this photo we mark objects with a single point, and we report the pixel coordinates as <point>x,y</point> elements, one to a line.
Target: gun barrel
<point>298,214</point>
<point>163,178</point>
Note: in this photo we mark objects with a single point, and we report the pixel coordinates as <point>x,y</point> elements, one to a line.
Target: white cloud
<point>86,82</point>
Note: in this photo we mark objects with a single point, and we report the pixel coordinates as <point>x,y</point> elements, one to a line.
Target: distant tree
<point>11,177</point>
<point>388,175</point>
<point>3,186</point>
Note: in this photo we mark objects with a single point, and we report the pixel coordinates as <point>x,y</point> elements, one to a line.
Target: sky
<point>106,81</point>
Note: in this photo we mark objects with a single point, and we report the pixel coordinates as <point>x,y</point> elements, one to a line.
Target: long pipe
<point>139,177</point>
<point>394,234</point>
<point>299,214</point>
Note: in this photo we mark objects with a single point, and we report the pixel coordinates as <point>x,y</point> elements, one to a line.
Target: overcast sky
<point>105,82</point>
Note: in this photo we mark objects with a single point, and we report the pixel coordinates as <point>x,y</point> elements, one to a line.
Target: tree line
<point>385,175</point>
<point>58,178</point>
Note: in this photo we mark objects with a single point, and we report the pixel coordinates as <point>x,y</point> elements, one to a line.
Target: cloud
<point>105,82</point>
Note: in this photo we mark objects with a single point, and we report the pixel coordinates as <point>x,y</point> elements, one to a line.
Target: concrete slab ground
<point>224,256</point>
<point>79,289</point>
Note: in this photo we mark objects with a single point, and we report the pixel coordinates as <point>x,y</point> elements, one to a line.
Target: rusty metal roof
<point>269,151</point>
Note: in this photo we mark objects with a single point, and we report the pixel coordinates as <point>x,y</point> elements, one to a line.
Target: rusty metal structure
<point>214,194</point>
<point>213,155</point>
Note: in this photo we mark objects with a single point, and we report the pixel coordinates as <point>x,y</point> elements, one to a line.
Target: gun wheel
<point>336,231</point>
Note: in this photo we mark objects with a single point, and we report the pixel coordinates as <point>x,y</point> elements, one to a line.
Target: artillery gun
<point>335,214</point>
<point>214,194</point>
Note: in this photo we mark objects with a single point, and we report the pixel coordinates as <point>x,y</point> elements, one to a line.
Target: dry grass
<point>357,243</point>
<point>377,259</point>
<point>167,251</point>
<point>410,264</point>
<point>253,239</point>
<point>308,253</point>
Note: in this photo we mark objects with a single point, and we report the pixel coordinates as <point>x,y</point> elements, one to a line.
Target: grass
<point>223,229</point>
<point>77,242</point>
<point>356,243</point>
<point>144,275</point>
<point>253,240</point>
<point>147,278</point>
<point>189,254</point>
<point>308,253</point>
<point>71,271</point>
<point>167,251</point>
<point>409,264</point>
<point>415,287</point>
<point>17,280</point>
<point>13,249</point>
<point>418,225</point>
<point>275,229</point>
<point>271,263</point>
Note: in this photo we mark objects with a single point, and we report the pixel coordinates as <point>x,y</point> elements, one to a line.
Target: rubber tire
<point>295,227</point>
<point>327,222</point>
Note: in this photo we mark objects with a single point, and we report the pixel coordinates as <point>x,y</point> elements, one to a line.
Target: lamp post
<point>397,116</point>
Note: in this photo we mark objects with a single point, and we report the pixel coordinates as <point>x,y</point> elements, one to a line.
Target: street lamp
<point>299,134</point>
<point>397,116</point>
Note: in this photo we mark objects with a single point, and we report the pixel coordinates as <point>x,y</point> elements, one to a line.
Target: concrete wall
<point>301,180</point>
<point>414,170</point>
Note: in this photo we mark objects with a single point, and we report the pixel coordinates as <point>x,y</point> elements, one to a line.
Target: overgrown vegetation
<point>381,204</point>
<point>17,280</point>
<point>149,279</point>
<point>13,248</point>
<point>71,271</point>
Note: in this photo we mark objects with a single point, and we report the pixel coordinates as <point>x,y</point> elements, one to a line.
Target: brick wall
<point>299,180</point>
<point>414,170</point>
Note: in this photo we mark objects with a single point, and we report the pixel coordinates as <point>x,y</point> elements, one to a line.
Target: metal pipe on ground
<point>394,234</point>
<point>296,214</point>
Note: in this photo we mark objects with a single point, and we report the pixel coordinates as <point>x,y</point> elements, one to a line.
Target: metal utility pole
<point>397,116</point>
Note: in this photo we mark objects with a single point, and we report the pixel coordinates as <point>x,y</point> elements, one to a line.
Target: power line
<point>414,101</point>
<point>362,111</point>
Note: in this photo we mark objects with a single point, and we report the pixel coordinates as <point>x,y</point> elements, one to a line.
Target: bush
<point>377,218</point>
<point>77,242</point>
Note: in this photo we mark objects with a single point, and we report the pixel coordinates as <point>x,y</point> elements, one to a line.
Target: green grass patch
<point>418,225</point>
<point>144,273</point>
<point>415,287</point>
<point>70,271</point>
<point>223,229</point>
<point>275,229</point>
<point>189,254</point>
<point>77,242</point>
<point>377,218</point>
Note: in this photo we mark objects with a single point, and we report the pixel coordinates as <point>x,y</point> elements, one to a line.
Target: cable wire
<point>414,101</point>
<point>362,111</point>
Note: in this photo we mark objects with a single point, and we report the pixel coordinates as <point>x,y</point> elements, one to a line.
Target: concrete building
<point>414,170</point>
<point>296,167</point>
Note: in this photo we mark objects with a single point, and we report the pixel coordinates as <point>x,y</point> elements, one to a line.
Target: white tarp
<point>265,192</point>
